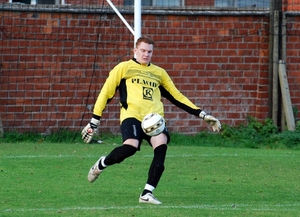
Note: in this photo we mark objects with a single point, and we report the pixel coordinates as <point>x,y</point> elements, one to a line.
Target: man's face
<point>144,53</point>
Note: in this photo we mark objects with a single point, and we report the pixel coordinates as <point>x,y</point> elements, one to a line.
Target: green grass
<point>49,179</point>
<point>255,134</point>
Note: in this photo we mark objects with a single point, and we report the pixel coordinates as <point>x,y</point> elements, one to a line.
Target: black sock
<point>157,166</point>
<point>118,155</point>
<point>146,191</point>
<point>100,166</point>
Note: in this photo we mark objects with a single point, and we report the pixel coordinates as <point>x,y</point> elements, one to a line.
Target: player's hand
<point>211,120</point>
<point>90,130</point>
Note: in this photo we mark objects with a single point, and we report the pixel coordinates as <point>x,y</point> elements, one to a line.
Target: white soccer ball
<point>153,124</point>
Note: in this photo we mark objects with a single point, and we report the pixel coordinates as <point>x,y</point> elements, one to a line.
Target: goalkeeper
<point>140,84</point>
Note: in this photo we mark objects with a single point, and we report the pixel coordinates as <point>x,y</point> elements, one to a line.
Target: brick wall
<point>54,64</point>
<point>291,5</point>
<point>293,59</point>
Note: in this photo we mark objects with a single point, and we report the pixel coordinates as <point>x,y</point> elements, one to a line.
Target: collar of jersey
<point>134,59</point>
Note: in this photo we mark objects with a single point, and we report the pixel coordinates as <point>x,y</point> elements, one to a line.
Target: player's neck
<point>146,64</point>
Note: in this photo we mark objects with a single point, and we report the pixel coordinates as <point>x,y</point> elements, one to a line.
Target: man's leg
<point>116,156</point>
<point>131,133</point>
<point>155,172</point>
<point>156,168</point>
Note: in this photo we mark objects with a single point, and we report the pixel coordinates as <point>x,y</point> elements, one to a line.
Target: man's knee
<point>159,158</point>
<point>161,150</point>
<point>119,154</point>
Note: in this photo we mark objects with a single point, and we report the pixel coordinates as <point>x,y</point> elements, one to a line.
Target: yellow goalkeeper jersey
<point>141,88</point>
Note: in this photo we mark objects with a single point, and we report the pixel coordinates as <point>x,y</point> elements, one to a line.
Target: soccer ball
<point>153,124</point>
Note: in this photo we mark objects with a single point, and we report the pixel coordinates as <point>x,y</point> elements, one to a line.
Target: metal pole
<point>283,60</point>
<point>275,68</point>
<point>287,103</point>
<point>270,76</point>
<point>137,19</point>
<point>1,128</point>
<point>120,16</point>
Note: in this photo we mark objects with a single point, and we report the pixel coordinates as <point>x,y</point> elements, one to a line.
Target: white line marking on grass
<point>227,155</point>
<point>44,156</point>
<point>149,156</point>
<point>262,207</point>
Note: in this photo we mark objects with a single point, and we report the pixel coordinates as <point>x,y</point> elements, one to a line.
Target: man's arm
<point>106,94</point>
<point>181,101</point>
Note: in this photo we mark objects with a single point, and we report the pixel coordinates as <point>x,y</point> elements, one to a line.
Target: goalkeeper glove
<point>211,120</point>
<point>89,130</point>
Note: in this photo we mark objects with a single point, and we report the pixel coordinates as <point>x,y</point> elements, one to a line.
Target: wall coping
<point>184,11</point>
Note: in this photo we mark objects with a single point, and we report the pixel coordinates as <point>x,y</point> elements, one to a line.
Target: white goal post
<point>137,18</point>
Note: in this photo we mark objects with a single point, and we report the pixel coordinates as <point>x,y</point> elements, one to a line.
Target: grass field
<point>49,179</point>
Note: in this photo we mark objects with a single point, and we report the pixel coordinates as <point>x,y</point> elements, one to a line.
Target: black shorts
<point>131,129</point>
